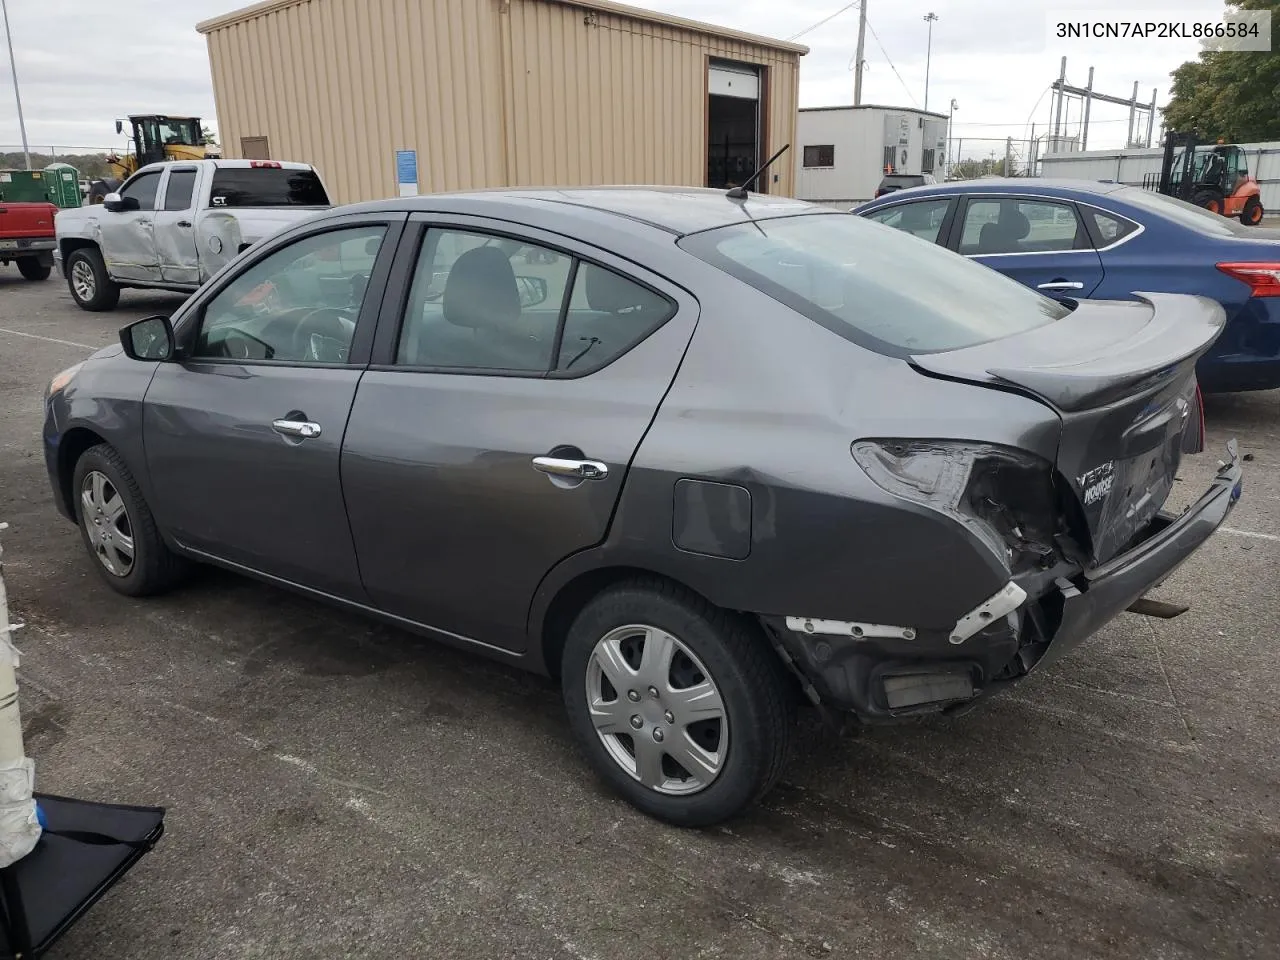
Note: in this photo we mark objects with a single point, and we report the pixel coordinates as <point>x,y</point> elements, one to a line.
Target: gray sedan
<point>703,458</point>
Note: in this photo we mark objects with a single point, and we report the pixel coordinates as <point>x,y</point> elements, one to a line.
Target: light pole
<point>950,119</point>
<point>929,18</point>
<point>22,127</point>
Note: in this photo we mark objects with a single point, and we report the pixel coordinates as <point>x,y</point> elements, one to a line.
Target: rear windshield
<point>880,287</point>
<point>1186,214</point>
<point>266,187</point>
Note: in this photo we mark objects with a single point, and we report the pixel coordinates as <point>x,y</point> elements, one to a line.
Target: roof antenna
<point>740,192</point>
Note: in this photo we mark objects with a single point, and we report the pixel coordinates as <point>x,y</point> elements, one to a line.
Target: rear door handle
<point>303,429</point>
<point>571,469</point>
<point>1061,285</point>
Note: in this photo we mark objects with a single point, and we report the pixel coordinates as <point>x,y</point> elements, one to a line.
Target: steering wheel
<point>316,326</point>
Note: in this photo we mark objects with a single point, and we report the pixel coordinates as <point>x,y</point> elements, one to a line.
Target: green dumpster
<point>63,182</point>
<point>24,186</point>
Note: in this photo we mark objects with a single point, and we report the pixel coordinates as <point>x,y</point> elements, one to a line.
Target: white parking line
<point>1251,533</point>
<point>36,336</point>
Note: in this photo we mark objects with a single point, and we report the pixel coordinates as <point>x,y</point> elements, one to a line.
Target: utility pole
<point>13,65</point>
<point>1008,157</point>
<point>1130,139</point>
<point>862,40</point>
<point>1058,98</point>
<point>950,120</point>
<point>929,18</point>
<point>1151,118</point>
<point>1088,101</point>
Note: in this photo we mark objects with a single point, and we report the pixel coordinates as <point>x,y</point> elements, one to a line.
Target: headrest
<point>1014,224</point>
<point>481,290</point>
<point>609,293</point>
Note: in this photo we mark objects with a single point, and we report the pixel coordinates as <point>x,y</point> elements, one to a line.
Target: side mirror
<point>119,127</point>
<point>533,291</point>
<point>372,246</point>
<point>148,339</point>
<point>118,204</point>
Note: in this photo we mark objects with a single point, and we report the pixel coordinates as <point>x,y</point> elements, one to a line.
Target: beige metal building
<point>500,93</point>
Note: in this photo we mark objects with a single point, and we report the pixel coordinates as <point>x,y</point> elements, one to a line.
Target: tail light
<point>1263,278</point>
<point>1004,497</point>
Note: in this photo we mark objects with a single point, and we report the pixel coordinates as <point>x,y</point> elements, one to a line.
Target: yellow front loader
<point>153,138</point>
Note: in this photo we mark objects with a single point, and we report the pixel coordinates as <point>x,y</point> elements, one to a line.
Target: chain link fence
<point>973,157</point>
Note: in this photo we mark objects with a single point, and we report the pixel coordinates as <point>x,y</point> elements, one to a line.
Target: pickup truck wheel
<point>32,269</point>
<point>87,278</point>
<point>680,707</point>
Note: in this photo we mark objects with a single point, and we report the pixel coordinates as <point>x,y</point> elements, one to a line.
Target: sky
<point>80,68</point>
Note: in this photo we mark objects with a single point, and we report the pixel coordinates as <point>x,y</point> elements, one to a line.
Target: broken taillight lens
<point>1005,497</point>
<point>1263,278</point>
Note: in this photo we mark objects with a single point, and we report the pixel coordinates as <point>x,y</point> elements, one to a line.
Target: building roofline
<point>875,106</point>
<point>603,6</point>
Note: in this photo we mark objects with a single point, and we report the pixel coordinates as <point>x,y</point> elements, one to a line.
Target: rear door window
<point>177,195</point>
<point>998,225</point>
<point>263,186</point>
<point>1109,229</point>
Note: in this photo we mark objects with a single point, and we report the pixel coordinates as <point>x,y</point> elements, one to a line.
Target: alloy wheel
<point>82,279</point>
<point>107,524</point>
<point>657,710</point>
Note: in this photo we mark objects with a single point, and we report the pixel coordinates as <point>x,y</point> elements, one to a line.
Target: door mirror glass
<point>533,291</point>
<point>148,339</point>
<point>119,127</point>
<point>118,204</point>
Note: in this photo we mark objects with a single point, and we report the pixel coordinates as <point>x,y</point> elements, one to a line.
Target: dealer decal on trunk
<point>1096,484</point>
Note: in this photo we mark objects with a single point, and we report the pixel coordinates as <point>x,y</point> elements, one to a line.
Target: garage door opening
<point>733,124</point>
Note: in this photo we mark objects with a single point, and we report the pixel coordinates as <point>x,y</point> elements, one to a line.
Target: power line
<point>824,20</point>
<point>876,37</point>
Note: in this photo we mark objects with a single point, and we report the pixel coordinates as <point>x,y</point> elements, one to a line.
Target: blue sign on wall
<point>407,172</point>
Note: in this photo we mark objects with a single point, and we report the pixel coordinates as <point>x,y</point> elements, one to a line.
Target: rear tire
<point>87,279</point>
<point>1252,213</point>
<point>742,750</point>
<point>32,269</point>
<point>117,527</point>
<point>1209,199</point>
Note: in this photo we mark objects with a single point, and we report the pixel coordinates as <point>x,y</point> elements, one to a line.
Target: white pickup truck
<point>172,226</point>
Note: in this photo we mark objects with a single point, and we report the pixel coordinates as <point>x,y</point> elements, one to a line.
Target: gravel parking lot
<point>337,788</point>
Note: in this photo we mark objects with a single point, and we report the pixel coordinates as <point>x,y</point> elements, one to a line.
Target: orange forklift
<point>1214,176</point>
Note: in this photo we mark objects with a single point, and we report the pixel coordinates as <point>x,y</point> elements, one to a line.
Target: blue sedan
<point>1076,239</point>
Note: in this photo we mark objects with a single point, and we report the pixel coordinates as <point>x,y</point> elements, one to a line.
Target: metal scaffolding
<point>1063,91</point>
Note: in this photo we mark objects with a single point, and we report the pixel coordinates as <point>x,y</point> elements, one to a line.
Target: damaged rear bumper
<point>883,673</point>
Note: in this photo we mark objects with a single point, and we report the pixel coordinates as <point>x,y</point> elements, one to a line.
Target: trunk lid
<point>1121,377</point>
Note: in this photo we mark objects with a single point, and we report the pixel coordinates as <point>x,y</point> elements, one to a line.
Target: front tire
<point>32,269</point>
<point>91,287</point>
<point>680,707</point>
<point>117,527</point>
<point>1209,199</point>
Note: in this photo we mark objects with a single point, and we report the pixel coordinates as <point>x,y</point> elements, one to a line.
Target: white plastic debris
<point>19,826</point>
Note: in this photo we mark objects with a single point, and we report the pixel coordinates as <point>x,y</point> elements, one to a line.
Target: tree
<point>208,137</point>
<point>1229,95</point>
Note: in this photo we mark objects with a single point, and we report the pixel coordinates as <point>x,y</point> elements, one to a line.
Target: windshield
<point>1187,214</point>
<point>266,187</point>
<point>880,287</point>
<point>180,131</point>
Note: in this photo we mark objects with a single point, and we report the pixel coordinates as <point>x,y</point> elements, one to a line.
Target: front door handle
<point>184,223</point>
<point>1061,285</point>
<point>571,469</point>
<point>303,429</point>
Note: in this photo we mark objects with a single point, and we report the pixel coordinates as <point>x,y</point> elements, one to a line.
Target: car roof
<point>1040,185</point>
<point>676,210</point>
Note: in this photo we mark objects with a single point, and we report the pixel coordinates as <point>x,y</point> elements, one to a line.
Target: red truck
<point>27,237</point>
